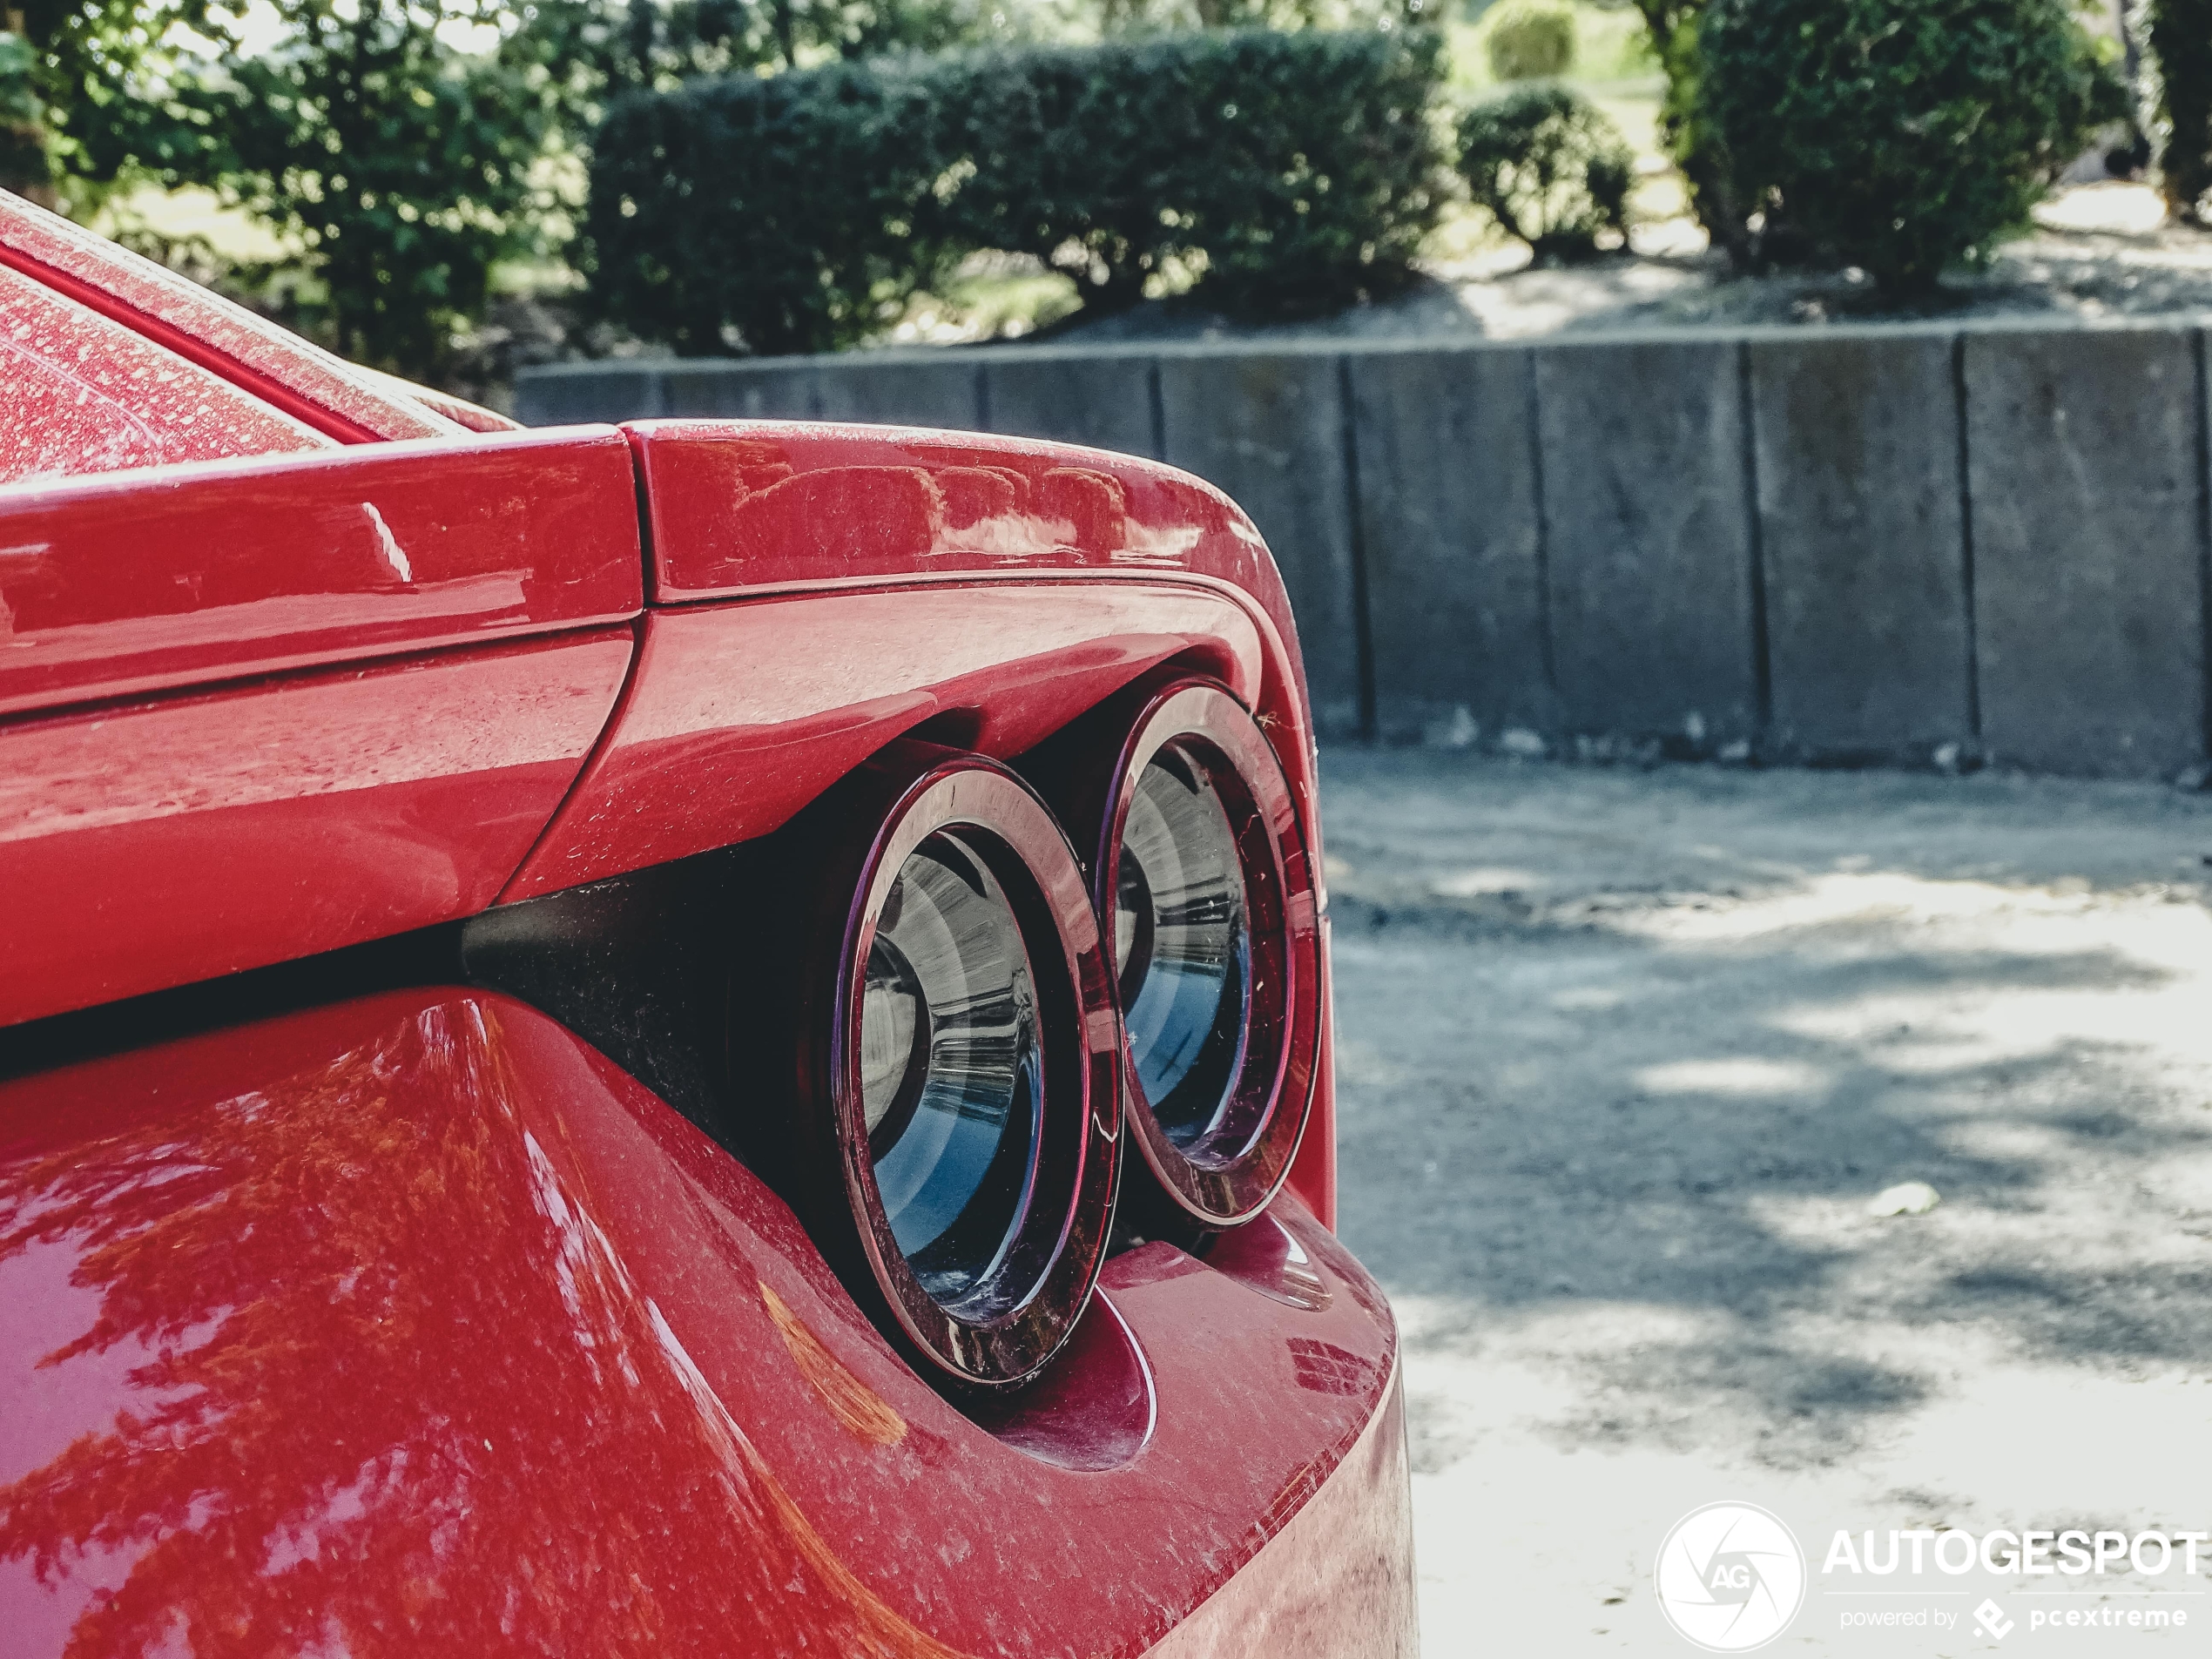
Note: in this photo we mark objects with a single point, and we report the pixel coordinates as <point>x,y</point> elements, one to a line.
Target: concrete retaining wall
<point>1843,545</point>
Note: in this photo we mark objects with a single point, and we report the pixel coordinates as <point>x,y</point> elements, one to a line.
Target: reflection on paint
<point>389,1383</point>
<point>850,1400</point>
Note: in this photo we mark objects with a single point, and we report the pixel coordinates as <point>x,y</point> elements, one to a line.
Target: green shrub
<point>1300,169</point>
<point>23,129</point>
<point>2180,34</point>
<point>796,213</point>
<point>1900,136</point>
<point>773,207</point>
<point>395,170</point>
<point>1528,40</point>
<point>1550,168</point>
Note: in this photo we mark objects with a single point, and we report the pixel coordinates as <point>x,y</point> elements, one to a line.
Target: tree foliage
<point>70,72</point>
<point>401,167</point>
<point>24,166</point>
<point>1686,128</point>
<point>1900,136</point>
<point>613,46</point>
<point>403,151</point>
<point>1549,167</point>
<point>396,149</point>
<point>399,150</point>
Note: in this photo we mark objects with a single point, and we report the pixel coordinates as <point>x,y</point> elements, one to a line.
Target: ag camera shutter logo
<point>1730,1577</point>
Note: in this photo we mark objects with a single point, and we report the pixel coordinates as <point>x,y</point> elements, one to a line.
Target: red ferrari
<point>697,1038</point>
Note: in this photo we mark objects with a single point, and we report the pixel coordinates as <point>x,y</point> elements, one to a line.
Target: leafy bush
<point>776,206</point>
<point>1900,136</point>
<point>1549,166</point>
<point>1527,40</point>
<point>399,168</point>
<point>797,212</point>
<point>2181,34</point>
<point>22,130</point>
<point>1300,169</point>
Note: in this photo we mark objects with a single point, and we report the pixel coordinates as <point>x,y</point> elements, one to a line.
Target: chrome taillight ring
<point>1217,1112</point>
<point>971,1071</point>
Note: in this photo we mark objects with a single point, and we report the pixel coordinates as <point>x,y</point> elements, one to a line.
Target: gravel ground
<point>1625,1055</point>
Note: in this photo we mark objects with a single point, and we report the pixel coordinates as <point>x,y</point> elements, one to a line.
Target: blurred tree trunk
<point>1689,138</point>
<point>2180,37</point>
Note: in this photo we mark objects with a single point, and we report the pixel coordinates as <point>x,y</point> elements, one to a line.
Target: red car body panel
<point>412,1322</point>
<point>155,844</point>
<point>116,586</point>
<point>751,510</point>
<point>384,1318</point>
<point>700,757</point>
<point>760,507</point>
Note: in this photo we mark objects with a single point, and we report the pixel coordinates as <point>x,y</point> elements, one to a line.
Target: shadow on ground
<point>1624,1056</point>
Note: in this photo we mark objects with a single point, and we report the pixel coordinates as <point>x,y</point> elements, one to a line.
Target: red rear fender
<point>413,1325</point>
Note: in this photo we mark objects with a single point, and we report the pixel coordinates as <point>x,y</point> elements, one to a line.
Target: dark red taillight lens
<point>1198,868</point>
<point>957,1099</point>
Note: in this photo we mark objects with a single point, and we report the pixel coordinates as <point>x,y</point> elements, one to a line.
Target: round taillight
<point>1198,866</point>
<point>956,1091</point>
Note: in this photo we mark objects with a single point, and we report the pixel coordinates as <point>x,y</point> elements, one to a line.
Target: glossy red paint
<point>272,363</point>
<point>459,410</point>
<point>412,1323</point>
<point>80,393</point>
<point>122,584</point>
<point>740,714</point>
<point>1335,1580</point>
<point>1314,1173</point>
<point>757,507</point>
<point>599,1394</point>
<point>147,846</point>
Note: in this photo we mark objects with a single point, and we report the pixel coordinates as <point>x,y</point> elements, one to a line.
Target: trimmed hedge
<point>1901,136</point>
<point>796,213</point>
<point>772,206</point>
